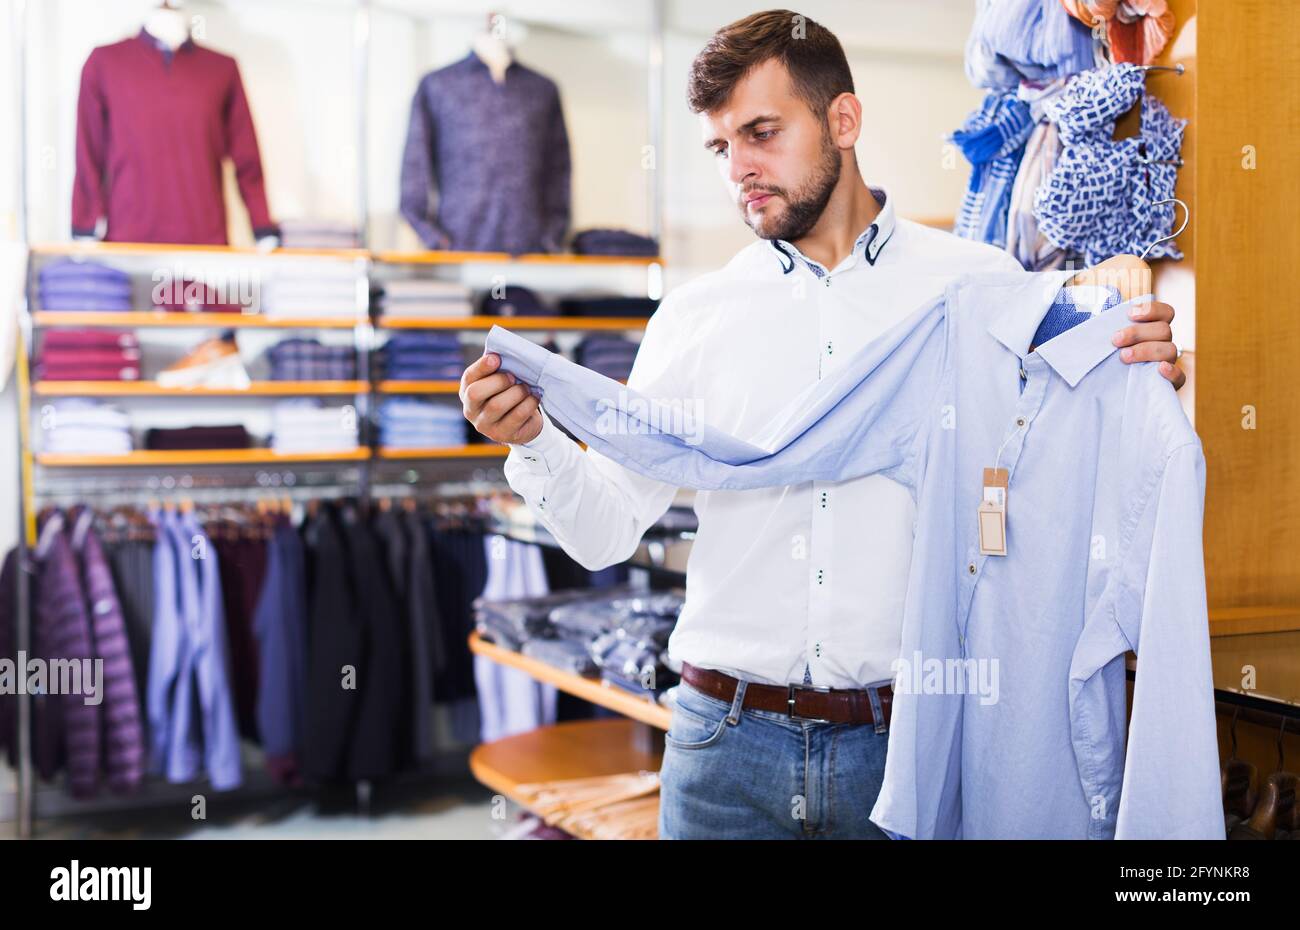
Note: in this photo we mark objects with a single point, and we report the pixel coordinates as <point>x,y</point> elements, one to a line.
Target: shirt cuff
<point>523,358</point>
<point>543,454</point>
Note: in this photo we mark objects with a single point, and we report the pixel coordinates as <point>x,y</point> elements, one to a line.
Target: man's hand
<point>1150,339</point>
<point>500,408</point>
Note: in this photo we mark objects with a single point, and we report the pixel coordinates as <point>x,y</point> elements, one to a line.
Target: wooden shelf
<point>574,749</point>
<point>418,387</point>
<point>190,320</point>
<point>1238,621</point>
<point>513,322</point>
<point>467,451</point>
<point>589,689</point>
<point>109,249</point>
<point>504,258</point>
<point>153,389</point>
<point>162,457</point>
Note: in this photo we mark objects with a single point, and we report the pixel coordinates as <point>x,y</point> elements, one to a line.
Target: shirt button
<point>1020,421</point>
<point>971,568</point>
<point>1024,376</point>
<point>828,281</point>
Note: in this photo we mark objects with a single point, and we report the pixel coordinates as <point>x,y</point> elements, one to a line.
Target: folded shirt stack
<point>641,307</point>
<point>611,356</point>
<point>301,359</point>
<point>422,356</point>
<point>328,290</point>
<point>188,438</point>
<point>88,355</point>
<point>307,233</point>
<point>85,427</point>
<point>407,423</point>
<point>614,242</point>
<point>191,295</point>
<point>422,297</point>
<point>73,284</point>
<point>515,301</point>
<point>304,425</point>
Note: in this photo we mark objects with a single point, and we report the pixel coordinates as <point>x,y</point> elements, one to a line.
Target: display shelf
<point>418,387</point>
<point>162,318</point>
<point>589,689</point>
<point>467,451</point>
<point>574,323</point>
<point>504,258</point>
<point>153,389</point>
<point>110,249</point>
<point>574,749</point>
<point>162,457</point>
<point>1236,621</point>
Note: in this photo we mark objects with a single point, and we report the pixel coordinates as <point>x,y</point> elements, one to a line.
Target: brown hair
<point>809,51</point>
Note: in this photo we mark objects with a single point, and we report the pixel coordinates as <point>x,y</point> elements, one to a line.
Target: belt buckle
<point>789,710</point>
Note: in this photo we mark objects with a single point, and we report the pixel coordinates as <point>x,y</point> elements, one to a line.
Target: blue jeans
<point>729,774</point>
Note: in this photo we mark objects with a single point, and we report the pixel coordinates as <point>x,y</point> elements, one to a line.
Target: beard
<point>804,207</point>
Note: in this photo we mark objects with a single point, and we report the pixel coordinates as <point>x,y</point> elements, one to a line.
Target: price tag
<point>993,513</point>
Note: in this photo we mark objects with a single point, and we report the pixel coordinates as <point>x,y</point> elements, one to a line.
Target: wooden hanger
<point>1128,274</point>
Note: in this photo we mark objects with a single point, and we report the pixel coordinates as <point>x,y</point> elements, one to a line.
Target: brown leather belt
<point>798,702</point>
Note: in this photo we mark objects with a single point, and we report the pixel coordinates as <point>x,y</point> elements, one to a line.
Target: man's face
<point>777,158</point>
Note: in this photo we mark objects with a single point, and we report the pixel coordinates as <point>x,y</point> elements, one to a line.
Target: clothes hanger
<point>1187,217</point>
<point>1128,274</point>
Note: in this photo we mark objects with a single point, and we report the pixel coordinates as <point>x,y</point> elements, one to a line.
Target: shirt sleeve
<point>557,187</point>
<point>88,206</point>
<point>596,509</point>
<point>1171,786</point>
<point>864,418</point>
<point>419,181</point>
<point>241,147</point>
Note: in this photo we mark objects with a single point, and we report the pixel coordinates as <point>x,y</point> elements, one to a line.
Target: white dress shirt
<point>783,585</point>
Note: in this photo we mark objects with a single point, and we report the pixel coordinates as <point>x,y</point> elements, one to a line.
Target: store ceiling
<point>929,27</point>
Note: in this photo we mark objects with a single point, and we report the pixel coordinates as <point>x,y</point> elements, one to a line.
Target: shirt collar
<point>479,63</point>
<point>1074,352</point>
<point>151,40</point>
<point>869,244</point>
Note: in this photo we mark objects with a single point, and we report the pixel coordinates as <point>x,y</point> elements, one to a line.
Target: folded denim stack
<point>614,242</point>
<point>407,423</point>
<point>618,633</point>
<point>422,356</point>
<point>303,424</point>
<point>73,284</point>
<point>82,426</point>
<point>307,233</point>
<point>512,623</point>
<point>88,355</point>
<point>514,301</point>
<point>300,359</point>
<point>326,290</point>
<point>640,307</point>
<point>422,297</point>
<point>611,356</point>
<point>198,438</point>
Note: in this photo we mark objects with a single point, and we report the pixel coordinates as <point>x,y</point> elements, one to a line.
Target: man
<point>794,595</point>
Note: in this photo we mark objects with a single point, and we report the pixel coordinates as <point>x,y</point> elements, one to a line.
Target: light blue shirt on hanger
<point>1010,695</point>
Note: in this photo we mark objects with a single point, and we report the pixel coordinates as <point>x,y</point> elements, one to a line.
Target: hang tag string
<point>997,459</point>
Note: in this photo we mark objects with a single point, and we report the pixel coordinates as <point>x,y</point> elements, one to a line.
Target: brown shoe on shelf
<point>213,363</point>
